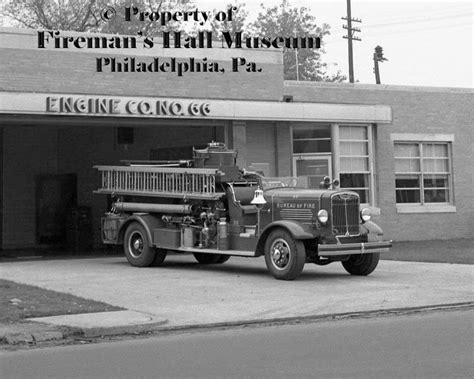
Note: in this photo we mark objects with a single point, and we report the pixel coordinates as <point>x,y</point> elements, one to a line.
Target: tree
<point>237,24</point>
<point>148,27</point>
<point>85,15</point>
<point>285,20</point>
<point>78,15</point>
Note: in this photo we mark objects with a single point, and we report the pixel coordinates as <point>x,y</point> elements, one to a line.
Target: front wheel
<point>285,257</point>
<point>361,264</point>
<point>136,246</point>
<point>160,255</point>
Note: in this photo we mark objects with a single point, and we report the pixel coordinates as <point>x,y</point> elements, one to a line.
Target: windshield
<point>283,181</point>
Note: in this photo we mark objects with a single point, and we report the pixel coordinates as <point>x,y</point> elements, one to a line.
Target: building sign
<point>158,107</point>
<point>110,106</point>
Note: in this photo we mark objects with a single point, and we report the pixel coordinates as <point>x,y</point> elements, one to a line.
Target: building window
<point>312,139</point>
<point>355,161</point>
<point>423,172</point>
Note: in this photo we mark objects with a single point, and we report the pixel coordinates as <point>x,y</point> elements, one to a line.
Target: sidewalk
<point>439,251</point>
<point>184,294</point>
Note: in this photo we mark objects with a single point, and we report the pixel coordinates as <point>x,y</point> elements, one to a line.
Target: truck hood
<point>301,205</point>
<point>297,193</point>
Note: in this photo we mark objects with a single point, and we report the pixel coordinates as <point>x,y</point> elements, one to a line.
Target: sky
<point>427,43</point>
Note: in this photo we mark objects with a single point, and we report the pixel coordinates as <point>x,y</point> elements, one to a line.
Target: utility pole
<point>378,57</point>
<point>350,36</point>
<point>297,68</point>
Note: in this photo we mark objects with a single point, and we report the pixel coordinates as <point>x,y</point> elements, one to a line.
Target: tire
<point>136,246</point>
<point>207,259</point>
<point>160,255</point>
<point>285,257</point>
<point>361,264</point>
<point>223,258</point>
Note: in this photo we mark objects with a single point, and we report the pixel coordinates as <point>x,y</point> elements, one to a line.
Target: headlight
<point>323,216</point>
<point>365,214</point>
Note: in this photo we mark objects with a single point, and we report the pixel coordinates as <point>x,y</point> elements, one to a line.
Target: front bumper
<point>354,248</point>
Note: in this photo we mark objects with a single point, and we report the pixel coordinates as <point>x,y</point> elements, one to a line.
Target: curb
<point>98,324</point>
<point>33,337</point>
<point>324,317</point>
<point>119,330</point>
<point>40,336</point>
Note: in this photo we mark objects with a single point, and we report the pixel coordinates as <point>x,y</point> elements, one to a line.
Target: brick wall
<point>266,143</point>
<point>415,110</point>
<point>283,152</point>
<point>261,144</point>
<point>25,68</point>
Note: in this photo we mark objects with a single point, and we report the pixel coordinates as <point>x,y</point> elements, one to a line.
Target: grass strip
<point>21,301</point>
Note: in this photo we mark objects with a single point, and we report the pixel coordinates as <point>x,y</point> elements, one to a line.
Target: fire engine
<point>209,207</point>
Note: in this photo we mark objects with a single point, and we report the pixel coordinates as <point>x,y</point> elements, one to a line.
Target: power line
<point>427,13</point>
<point>419,20</point>
<point>434,27</point>
<point>377,35</point>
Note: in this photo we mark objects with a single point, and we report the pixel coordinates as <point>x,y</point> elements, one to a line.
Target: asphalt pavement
<point>433,345</point>
<point>184,294</point>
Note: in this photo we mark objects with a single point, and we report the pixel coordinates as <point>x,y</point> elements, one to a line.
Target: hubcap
<point>135,245</point>
<point>280,254</point>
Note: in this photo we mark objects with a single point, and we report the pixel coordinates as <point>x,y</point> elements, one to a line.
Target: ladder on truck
<point>189,183</point>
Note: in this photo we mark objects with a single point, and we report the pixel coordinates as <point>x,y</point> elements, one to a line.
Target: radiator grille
<point>345,214</point>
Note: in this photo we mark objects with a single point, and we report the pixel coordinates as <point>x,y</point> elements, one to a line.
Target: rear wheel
<point>361,264</point>
<point>223,258</point>
<point>285,257</point>
<point>204,258</point>
<point>136,246</point>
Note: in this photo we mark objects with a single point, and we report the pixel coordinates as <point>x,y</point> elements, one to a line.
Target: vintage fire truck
<point>209,207</point>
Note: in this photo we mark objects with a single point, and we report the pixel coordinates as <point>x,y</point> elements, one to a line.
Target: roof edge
<point>376,87</point>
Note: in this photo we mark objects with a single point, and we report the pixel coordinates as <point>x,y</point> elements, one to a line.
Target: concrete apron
<point>185,293</point>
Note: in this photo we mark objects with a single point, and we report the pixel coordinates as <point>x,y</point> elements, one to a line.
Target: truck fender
<point>370,227</point>
<point>149,222</point>
<point>295,229</point>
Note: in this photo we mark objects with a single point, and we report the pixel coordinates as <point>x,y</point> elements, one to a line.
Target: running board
<point>239,253</point>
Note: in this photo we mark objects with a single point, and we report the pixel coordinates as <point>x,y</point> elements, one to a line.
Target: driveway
<point>187,293</point>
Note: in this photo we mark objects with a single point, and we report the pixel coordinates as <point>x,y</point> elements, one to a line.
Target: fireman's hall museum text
<point>202,40</point>
<point>176,40</point>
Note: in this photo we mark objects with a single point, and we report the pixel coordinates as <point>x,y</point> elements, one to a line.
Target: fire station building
<point>407,151</point>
